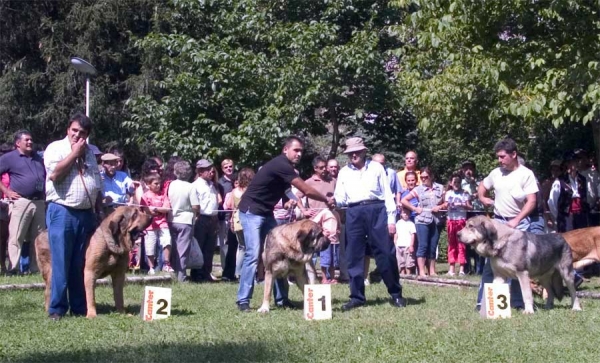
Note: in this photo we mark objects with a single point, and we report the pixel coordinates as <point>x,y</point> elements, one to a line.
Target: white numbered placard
<point>157,303</point>
<point>317,302</point>
<point>496,301</point>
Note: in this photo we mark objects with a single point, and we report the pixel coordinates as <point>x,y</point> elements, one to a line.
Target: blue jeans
<point>487,277</point>
<point>428,236</point>
<point>68,231</point>
<point>256,228</point>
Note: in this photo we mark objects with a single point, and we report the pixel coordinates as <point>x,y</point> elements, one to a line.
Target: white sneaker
<point>367,283</point>
<point>450,274</point>
<point>168,268</point>
<point>151,272</point>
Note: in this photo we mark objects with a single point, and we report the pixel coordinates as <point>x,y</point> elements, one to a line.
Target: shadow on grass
<point>182,352</point>
<point>134,309</point>
<point>380,301</point>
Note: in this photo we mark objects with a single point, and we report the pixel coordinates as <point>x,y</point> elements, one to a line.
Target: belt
<point>366,202</point>
<point>497,216</point>
<point>32,198</point>
<point>207,216</point>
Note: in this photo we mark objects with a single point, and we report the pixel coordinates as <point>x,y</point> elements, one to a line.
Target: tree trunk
<point>335,129</point>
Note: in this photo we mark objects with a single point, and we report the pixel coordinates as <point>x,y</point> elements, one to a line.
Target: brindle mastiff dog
<point>523,255</point>
<point>288,251</point>
<point>106,254</point>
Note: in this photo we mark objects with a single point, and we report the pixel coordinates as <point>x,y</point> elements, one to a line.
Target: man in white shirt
<point>207,225</point>
<point>515,190</point>
<point>363,187</point>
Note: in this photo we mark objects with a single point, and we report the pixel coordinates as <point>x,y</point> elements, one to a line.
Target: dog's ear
<point>488,231</point>
<point>115,223</point>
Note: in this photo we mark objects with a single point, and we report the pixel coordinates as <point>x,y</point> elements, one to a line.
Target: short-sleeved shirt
<point>70,191</point>
<point>118,187</point>
<point>225,187</point>
<point>207,196</point>
<point>152,199</point>
<point>456,204</point>
<point>268,186</point>
<point>511,189</point>
<point>428,198</point>
<point>404,232</point>
<point>325,187</point>
<point>27,173</point>
<point>182,197</point>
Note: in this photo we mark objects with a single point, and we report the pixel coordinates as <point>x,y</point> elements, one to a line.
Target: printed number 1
<point>503,305</point>
<point>163,305</point>
<point>322,300</point>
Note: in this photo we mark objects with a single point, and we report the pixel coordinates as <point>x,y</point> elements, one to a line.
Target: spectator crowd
<point>72,185</point>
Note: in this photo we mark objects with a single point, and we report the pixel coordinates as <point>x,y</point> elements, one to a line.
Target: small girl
<point>457,202</point>
<point>158,205</point>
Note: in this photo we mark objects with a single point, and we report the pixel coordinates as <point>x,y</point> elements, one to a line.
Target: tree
<point>516,66</point>
<point>233,77</point>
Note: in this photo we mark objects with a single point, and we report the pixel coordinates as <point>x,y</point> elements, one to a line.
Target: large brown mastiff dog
<point>106,254</point>
<point>288,250</point>
<point>585,246</point>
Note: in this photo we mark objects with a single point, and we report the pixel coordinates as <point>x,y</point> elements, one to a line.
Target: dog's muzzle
<point>135,233</point>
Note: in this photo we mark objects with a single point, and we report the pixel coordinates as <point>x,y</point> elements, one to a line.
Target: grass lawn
<point>439,324</point>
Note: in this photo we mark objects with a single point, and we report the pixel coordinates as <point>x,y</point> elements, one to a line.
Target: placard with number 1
<point>317,302</point>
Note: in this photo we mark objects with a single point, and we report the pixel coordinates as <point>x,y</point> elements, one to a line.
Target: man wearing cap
<point>363,187</point>
<point>73,192</point>
<point>206,227</point>
<point>118,186</point>
<point>268,186</point>
<point>27,210</point>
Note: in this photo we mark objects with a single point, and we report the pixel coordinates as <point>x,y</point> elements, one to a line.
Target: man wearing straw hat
<point>363,187</point>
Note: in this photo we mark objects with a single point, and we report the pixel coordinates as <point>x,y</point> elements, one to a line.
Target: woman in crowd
<point>411,182</point>
<point>4,216</point>
<point>430,196</point>
<point>232,200</point>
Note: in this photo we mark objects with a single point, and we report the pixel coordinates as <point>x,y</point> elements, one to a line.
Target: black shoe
<point>352,304</point>
<point>398,302</point>
<point>54,317</point>
<point>244,307</point>
<point>286,304</point>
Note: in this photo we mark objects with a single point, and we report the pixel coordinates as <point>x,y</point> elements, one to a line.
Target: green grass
<point>439,325</point>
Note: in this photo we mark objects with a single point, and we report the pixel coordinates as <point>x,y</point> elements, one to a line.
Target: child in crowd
<point>404,239</point>
<point>457,202</point>
<point>330,257</point>
<point>158,205</point>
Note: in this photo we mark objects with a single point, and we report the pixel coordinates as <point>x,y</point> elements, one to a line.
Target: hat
<point>467,162</point>
<point>556,162</point>
<point>354,144</point>
<point>203,163</point>
<point>95,149</point>
<point>109,157</point>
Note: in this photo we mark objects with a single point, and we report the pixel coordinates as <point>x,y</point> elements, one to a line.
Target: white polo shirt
<point>182,196</point>
<point>207,196</point>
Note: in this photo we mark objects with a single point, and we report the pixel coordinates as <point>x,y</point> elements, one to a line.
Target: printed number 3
<point>163,306</point>
<point>503,305</point>
<point>322,300</point>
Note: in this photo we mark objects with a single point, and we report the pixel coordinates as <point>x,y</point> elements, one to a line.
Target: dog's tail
<point>557,286</point>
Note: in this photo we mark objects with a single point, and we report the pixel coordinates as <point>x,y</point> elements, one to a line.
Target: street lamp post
<point>89,70</point>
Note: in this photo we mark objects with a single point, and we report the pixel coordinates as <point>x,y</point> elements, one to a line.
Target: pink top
<point>152,199</point>
<point>5,181</point>
<point>330,222</point>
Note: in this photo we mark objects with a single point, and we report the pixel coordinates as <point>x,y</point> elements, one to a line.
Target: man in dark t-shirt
<point>256,215</point>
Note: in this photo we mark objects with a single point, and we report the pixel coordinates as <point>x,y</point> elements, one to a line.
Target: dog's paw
<point>263,309</point>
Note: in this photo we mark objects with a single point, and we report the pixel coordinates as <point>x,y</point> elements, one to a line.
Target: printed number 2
<point>503,305</point>
<point>163,305</point>
<point>322,300</point>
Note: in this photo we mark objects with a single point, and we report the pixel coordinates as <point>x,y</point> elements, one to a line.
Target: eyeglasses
<point>424,177</point>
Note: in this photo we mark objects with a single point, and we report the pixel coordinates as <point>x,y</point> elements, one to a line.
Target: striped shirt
<point>70,191</point>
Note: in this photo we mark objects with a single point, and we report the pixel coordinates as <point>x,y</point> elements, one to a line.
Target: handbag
<point>196,259</point>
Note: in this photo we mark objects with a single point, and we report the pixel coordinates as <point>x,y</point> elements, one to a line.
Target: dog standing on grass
<point>523,255</point>
<point>106,254</point>
<point>288,250</point>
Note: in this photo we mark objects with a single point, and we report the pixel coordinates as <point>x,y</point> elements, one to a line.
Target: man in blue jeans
<point>73,191</point>
<point>515,190</point>
<point>256,215</point>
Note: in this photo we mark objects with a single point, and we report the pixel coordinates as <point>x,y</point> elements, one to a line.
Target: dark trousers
<point>68,230</point>
<point>230,257</point>
<point>205,232</point>
<point>370,220</point>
